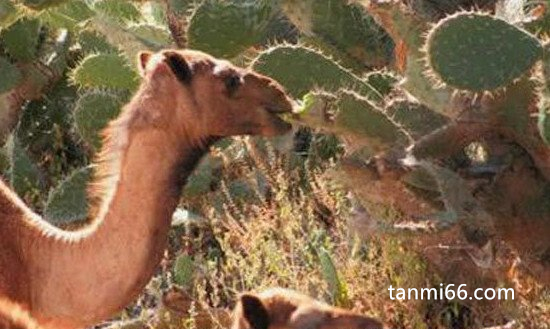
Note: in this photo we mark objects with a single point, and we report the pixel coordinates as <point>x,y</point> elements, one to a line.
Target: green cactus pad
<point>351,115</point>
<point>357,115</point>
<point>24,176</point>
<point>20,40</point>
<point>407,31</point>
<point>92,113</point>
<point>105,71</point>
<point>227,28</point>
<point>4,162</point>
<point>344,26</point>
<point>68,202</point>
<point>180,7</point>
<point>11,76</point>
<point>513,106</point>
<point>8,13</point>
<point>41,4</point>
<point>155,12</point>
<point>68,15</point>
<point>42,120</point>
<point>383,81</point>
<point>301,69</point>
<point>93,42</point>
<point>121,10</point>
<point>478,52</point>
<point>120,35</point>
<point>415,118</point>
<point>152,36</point>
<point>544,123</point>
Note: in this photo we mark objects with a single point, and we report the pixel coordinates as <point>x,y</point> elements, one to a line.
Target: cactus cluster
<point>67,67</point>
<point>409,87</point>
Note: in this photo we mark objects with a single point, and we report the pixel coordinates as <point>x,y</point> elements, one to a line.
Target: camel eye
<point>232,83</point>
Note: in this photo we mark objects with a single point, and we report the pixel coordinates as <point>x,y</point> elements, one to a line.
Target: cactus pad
<point>68,202</point>
<point>344,26</point>
<point>67,15</point>
<point>301,69</point>
<point>415,118</point>
<point>227,28</point>
<point>4,161</point>
<point>152,36</point>
<point>105,71</point>
<point>23,174</point>
<point>92,42</point>
<point>354,116</point>
<point>120,10</point>
<point>544,124</point>
<point>41,4</point>
<point>92,113</point>
<point>10,74</point>
<point>8,13</point>
<point>21,39</point>
<point>478,52</point>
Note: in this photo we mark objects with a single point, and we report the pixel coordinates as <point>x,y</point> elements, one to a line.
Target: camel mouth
<point>278,109</point>
<point>277,120</point>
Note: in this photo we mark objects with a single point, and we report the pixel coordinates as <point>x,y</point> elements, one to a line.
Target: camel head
<point>285,309</point>
<point>213,98</point>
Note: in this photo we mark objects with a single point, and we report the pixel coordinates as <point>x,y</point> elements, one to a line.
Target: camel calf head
<point>285,309</point>
<point>212,97</point>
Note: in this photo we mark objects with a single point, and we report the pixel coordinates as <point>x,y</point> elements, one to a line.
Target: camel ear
<point>143,59</point>
<point>179,66</point>
<point>255,312</point>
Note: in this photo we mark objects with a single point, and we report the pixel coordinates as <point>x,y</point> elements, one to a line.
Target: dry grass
<point>276,241</point>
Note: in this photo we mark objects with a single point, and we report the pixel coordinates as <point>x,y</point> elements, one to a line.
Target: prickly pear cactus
<point>105,71</point>
<point>316,71</point>
<point>8,13</point>
<point>66,67</point>
<point>10,73</point>
<point>93,111</point>
<point>68,202</point>
<point>23,175</point>
<point>41,4</point>
<point>227,28</point>
<point>348,114</point>
<point>21,39</point>
<point>479,52</point>
<point>345,28</point>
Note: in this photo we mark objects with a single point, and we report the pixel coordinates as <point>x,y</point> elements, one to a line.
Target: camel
<point>72,279</point>
<point>279,308</point>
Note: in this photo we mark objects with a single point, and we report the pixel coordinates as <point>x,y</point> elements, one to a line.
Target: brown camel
<point>187,100</point>
<point>285,309</point>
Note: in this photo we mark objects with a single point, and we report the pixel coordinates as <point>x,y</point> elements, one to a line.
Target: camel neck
<point>106,270</point>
